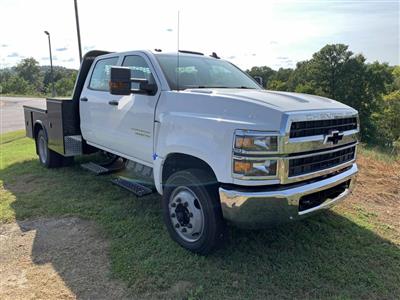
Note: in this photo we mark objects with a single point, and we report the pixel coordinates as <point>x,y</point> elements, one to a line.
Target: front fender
<point>207,138</point>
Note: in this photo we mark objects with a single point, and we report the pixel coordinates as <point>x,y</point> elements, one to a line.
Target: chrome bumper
<point>263,208</point>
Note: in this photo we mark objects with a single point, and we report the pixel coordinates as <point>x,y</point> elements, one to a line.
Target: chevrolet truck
<point>217,146</point>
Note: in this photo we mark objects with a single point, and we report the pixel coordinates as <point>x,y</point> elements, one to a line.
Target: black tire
<point>47,157</point>
<point>205,191</point>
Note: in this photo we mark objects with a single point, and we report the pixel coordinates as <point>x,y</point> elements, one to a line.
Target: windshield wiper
<point>216,87</point>
<point>244,87</point>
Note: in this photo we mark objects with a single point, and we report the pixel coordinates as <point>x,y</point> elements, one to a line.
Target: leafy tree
<point>278,80</point>
<point>305,88</point>
<point>283,74</point>
<point>65,85</point>
<point>301,80</point>
<point>328,67</point>
<point>264,72</point>
<point>388,121</point>
<point>29,70</point>
<point>396,79</point>
<point>17,85</point>
<point>335,72</point>
<point>277,85</point>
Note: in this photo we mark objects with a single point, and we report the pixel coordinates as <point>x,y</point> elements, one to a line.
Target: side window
<point>101,74</point>
<point>139,69</point>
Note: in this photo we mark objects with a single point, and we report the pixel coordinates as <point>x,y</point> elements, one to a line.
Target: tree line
<point>334,72</point>
<point>28,78</point>
<point>337,73</point>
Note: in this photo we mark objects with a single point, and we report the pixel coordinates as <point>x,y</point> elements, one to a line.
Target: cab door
<point>132,117</point>
<point>96,123</point>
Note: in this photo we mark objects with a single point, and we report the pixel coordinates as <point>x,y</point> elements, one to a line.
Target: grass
<point>378,154</point>
<point>338,254</point>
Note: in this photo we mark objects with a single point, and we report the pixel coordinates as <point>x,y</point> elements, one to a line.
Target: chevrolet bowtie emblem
<point>333,137</point>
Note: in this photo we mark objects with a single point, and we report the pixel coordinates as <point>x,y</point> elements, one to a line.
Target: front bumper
<point>265,208</point>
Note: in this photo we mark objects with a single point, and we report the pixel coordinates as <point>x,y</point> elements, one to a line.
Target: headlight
<point>255,142</point>
<point>257,168</point>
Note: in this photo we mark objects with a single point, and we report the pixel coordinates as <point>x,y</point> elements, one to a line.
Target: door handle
<point>113,102</point>
<point>84,99</point>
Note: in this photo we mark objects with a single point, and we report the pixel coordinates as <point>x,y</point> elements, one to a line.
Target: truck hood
<point>281,101</point>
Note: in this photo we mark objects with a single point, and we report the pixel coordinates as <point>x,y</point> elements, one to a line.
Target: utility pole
<point>78,30</point>
<point>53,91</point>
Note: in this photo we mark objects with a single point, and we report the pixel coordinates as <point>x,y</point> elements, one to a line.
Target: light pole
<point>78,31</point>
<point>53,92</point>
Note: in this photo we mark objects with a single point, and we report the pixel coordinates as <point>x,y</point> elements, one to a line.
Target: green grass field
<point>339,254</point>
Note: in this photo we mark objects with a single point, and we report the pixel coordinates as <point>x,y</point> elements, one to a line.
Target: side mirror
<point>120,83</point>
<point>259,80</point>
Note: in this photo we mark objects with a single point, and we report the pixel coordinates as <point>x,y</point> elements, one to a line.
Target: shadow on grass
<point>325,256</point>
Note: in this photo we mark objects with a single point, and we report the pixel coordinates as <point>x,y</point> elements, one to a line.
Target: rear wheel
<point>47,157</point>
<point>192,211</point>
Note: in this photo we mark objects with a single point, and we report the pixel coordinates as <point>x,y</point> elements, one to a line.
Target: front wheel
<point>192,211</point>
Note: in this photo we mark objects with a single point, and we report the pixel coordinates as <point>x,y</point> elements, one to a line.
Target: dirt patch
<point>378,190</point>
<point>55,259</point>
<point>26,183</point>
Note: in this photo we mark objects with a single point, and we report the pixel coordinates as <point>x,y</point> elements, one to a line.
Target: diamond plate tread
<point>134,187</point>
<point>95,168</point>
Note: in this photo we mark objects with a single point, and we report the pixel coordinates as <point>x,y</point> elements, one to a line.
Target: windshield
<point>202,72</point>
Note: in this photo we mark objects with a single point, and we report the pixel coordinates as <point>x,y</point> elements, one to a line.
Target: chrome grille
<point>318,127</point>
<point>318,162</point>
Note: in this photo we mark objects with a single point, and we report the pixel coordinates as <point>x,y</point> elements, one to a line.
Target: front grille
<point>310,128</point>
<point>317,198</point>
<point>318,162</point>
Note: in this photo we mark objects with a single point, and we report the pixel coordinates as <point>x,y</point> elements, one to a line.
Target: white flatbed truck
<point>216,145</point>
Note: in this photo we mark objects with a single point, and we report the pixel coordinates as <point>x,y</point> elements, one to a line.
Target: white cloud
<point>14,54</point>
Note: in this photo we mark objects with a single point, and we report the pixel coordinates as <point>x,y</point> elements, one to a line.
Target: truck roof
<point>157,53</point>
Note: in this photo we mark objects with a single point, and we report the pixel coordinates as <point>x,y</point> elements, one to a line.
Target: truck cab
<point>220,148</point>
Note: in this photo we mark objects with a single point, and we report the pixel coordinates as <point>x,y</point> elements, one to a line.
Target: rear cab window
<point>101,74</point>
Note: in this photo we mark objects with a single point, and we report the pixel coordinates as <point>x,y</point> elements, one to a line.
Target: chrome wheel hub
<point>186,214</point>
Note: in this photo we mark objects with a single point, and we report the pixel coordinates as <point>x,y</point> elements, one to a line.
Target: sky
<point>248,33</point>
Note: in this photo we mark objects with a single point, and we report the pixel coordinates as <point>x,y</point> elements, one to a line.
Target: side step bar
<point>95,168</point>
<point>105,168</point>
<point>138,189</point>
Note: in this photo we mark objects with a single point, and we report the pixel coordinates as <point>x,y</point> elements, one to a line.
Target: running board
<point>95,168</point>
<point>101,169</point>
<point>138,189</point>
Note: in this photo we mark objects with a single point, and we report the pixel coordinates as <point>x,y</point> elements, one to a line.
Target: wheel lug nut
<point>185,204</point>
<point>183,229</point>
<point>189,225</point>
<point>173,215</point>
<point>173,205</point>
<point>178,200</point>
<point>191,215</point>
<point>177,225</point>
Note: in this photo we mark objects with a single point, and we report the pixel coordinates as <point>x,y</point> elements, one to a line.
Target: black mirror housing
<point>147,88</point>
<point>120,81</point>
<point>259,80</point>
